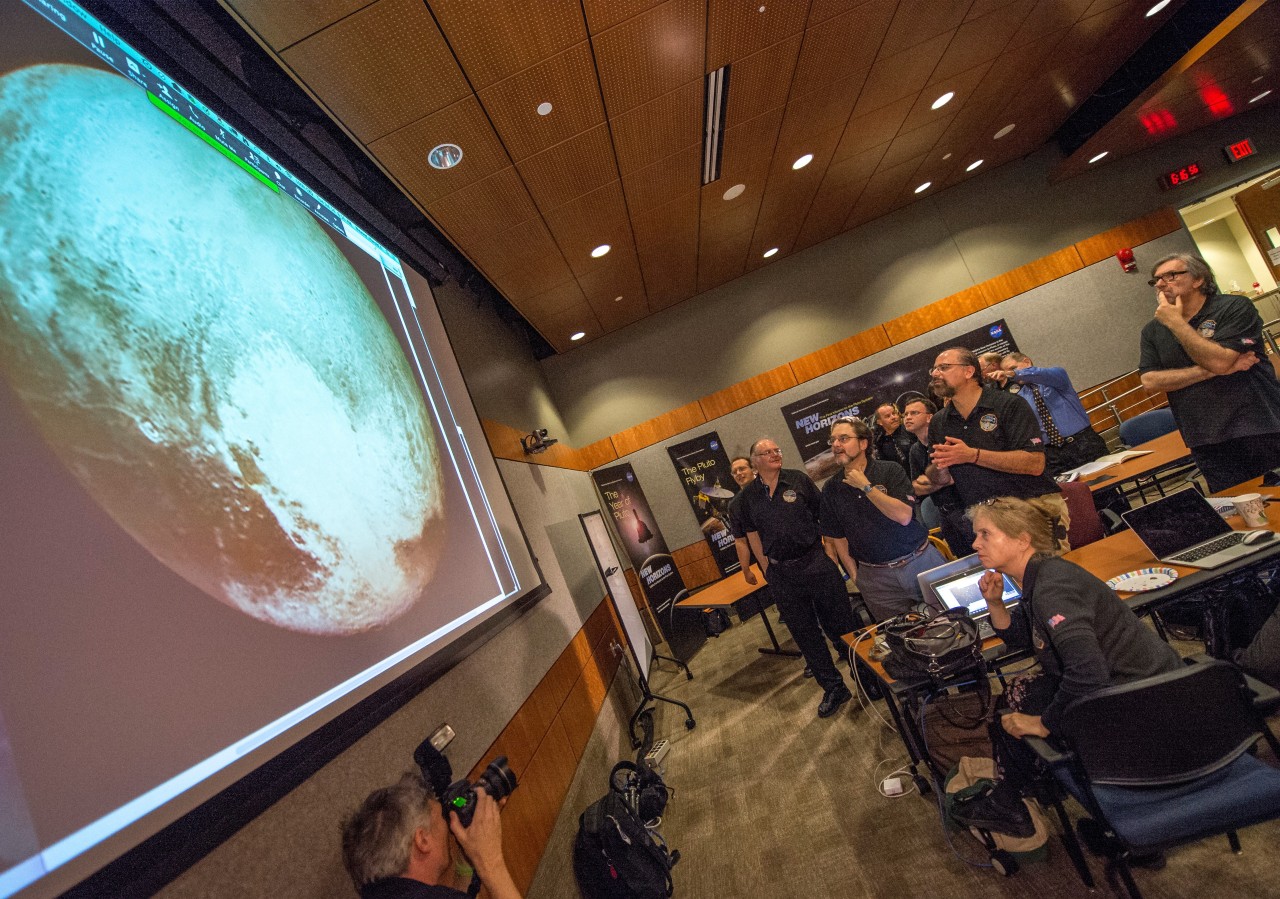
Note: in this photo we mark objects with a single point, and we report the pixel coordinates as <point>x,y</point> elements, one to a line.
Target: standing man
<point>869,513</point>
<point>990,363</point>
<point>987,443</point>
<point>1201,349</point>
<point>1069,439</point>
<point>743,473</point>
<point>893,443</point>
<point>780,508</point>
<point>916,416</point>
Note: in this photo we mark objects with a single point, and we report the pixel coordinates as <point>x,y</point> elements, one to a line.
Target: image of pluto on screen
<point>241,481</point>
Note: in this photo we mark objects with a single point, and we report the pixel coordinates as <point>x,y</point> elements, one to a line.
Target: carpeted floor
<point>770,801</point>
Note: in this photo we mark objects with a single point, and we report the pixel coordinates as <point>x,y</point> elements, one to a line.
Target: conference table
<point>1165,452</point>
<point>731,592</point>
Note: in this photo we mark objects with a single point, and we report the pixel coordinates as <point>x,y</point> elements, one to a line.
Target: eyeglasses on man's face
<point>1167,276</point>
<point>769,452</point>
<point>943,366</point>
<point>841,439</point>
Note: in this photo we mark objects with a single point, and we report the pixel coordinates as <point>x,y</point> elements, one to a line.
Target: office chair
<point>1147,426</point>
<point>1086,523</point>
<point>1165,761</point>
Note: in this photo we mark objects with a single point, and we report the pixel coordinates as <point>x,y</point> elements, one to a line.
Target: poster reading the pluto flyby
<point>899,382</point>
<point>703,467</point>
<point>628,509</point>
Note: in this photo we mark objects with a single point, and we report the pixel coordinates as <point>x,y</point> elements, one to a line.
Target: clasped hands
<point>953,452</point>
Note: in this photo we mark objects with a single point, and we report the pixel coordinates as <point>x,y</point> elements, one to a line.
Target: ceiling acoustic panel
<point>917,21</point>
<point>875,129</point>
<point>747,151</point>
<point>818,112</point>
<point>655,185</point>
<point>404,152</point>
<point>619,277</point>
<point>902,75</point>
<point>567,81</point>
<point>380,68</point>
<point>566,171</point>
<point>494,39</point>
<point>604,14</point>
<point>962,86</point>
<point>496,203</point>
<point>738,28</point>
<point>762,81</point>
<point>525,259</point>
<point>651,54</point>
<point>567,296</point>
<point>982,40</point>
<point>658,128</point>
<point>591,221</point>
<point>842,46</point>
<point>283,24</point>
<point>559,327</point>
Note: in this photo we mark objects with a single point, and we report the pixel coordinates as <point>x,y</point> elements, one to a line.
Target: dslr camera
<point>459,797</point>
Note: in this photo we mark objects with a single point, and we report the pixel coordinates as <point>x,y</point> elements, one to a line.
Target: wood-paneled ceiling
<point>617,160</point>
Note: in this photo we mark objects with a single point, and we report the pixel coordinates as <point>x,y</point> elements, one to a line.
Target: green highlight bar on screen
<point>198,132</point>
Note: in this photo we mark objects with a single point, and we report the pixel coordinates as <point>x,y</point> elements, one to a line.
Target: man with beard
<point>868,511</point>
<point>987,443</point>
<point>780,510</point>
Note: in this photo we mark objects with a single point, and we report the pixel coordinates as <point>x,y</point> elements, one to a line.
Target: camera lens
<point>498,779</point>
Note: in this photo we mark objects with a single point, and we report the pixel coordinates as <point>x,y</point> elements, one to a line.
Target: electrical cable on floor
<point>865,701</point>
<point>903,771</point>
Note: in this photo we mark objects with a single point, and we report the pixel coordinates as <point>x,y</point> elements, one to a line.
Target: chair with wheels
<point>1165,761</point>
<point>1147,426</point>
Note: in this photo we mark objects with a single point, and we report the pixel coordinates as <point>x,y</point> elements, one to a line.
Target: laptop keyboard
<point>1209,548</point>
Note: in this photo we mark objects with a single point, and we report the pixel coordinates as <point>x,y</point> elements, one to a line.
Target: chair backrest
<point>941,545</point>
<point>1147,426</point>
<point>1165,729</point>
<point>1086,525</point>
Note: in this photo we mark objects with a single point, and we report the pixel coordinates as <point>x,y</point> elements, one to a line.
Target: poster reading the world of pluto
<point>809,420</point>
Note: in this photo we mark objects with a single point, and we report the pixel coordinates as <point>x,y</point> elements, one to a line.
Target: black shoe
<point>832,700</point>
<point>986,812</point>
<point>808,672</point>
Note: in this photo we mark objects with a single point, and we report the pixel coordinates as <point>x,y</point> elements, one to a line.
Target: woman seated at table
<point>1083,636</point>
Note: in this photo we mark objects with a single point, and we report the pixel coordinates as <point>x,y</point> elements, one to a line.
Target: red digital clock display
<point>1239,150</point>
<point>1187,173</point>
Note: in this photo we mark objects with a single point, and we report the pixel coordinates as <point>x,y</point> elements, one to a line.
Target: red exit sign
<point>1187,173</point>
<point>1239,150</point>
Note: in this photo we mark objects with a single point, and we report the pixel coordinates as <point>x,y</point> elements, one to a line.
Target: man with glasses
<point>869,512</point>
<point>987,443</point>
<point>1202,348</point>
<point>780,510</point>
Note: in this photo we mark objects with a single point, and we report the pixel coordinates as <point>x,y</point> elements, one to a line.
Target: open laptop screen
<point>1176,522</point>
<point>955,585</point>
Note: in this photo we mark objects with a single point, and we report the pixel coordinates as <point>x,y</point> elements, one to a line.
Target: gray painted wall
<point>938,246</point>
<point>1087,322</point>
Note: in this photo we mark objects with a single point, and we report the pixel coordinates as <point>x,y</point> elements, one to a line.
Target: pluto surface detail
<point>207,364</point>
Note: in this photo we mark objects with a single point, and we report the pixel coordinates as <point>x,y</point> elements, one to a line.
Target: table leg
<point>776,650</point>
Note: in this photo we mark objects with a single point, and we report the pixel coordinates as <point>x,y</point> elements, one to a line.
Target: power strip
<point>655,756</point>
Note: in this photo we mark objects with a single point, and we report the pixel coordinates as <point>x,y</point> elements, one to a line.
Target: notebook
<point>955,586</point>
<point>1184,529</point>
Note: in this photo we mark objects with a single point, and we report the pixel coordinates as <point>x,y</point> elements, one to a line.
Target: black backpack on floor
<point>615,855</point>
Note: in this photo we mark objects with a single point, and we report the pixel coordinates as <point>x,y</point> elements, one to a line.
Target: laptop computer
<point>1184,529</point>
<point>955,586</point>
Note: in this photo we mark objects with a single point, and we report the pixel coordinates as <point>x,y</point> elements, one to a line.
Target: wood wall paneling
<point>1032,275</point>
<point>657,429</point>
<point>935,315</point>
<point>841,353</point>
<point>1139,231</point>
<point>744,393</point>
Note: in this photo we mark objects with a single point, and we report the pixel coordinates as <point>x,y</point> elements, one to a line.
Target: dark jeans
<point>1017,765</point>
<point>1261,657</point>
<point>1235,461</point>
<point>812,600</point>
<point>1084,446</point>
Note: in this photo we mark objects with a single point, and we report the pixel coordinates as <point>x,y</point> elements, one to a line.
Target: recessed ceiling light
<point>761,9</point>
<point>802,161</point>
<point>1099,157</point>
<point>617,299</point>
<point>943,100</point>
<point>1003,131</point>
<point>770,252</point>
<point>973,165</point>
<point>923,187</point>
<point>445,156</point>
<point>1155,9</point>
<point>946,157</point>
<point>600,251</point>
<point>1256,80</point>
<point>544,108</point>
<point>734,192</point>
<point>1260,96</point>
<point>579,335</point>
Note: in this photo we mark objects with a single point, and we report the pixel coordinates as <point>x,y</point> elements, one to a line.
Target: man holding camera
<point>397,846</point>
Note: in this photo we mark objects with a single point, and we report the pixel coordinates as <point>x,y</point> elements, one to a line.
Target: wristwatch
<point>868,488</point>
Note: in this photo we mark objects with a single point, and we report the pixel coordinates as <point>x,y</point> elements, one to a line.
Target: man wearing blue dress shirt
<point>1069,440</point>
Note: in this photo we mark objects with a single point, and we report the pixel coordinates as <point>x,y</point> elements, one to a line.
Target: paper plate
<point>1143,579</point>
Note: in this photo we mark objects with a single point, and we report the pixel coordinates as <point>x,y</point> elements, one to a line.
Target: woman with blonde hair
<point>1084,637</point>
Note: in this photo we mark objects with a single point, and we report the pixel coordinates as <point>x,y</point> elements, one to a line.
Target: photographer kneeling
<point>397,846</point>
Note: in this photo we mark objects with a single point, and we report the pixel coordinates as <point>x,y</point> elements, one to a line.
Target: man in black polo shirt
<point>869,513</point>
<point>780,508</point>
<point>1202,349</point>
<point>892,440</point>
<point>987,443</point>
